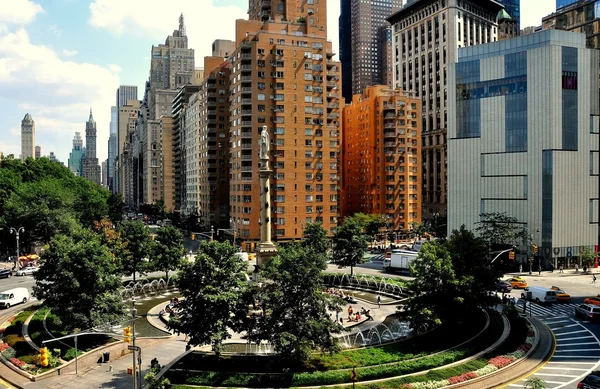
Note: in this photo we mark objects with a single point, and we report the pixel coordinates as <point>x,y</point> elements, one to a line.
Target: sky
<point>61,58</point>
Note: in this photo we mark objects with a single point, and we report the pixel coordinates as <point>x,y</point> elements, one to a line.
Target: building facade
<point>90,166</point>
<point>76,155</point>
<point>168,167</point>
<point>513,8</point>
<point>563,3</point>
<point>577,16</point>
<point>128,115</point>
<point>284,77</point>
<point>27,137</point>
<point>382,157</point>
<point>427,36</point>
<point>365,44</point>
<point>524,139</point>
<point>38,152</point>
<point>112,146</point>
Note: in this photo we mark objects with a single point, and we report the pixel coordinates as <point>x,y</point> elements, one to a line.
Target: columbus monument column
<point>266,249</point>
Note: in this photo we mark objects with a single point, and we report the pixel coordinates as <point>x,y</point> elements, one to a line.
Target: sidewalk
<point>556,273</point>
<point>525,368</point>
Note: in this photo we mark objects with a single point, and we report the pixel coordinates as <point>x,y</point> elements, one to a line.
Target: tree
<point>167,249</point>
<point>434,287</point>
<point>587,256</point>
<point>296,318</point>
<point>419,229</point>
<point>370,223</point>
<point>77,280</point>
<point>214,289</point>
<point>499,228</point>
<point>156,383</point>
<point>472,269</point>
<point>535,383</point>
<point>315,238</point>
<point>115,207</point>
<point>349,244</point>
<point>136,236</point>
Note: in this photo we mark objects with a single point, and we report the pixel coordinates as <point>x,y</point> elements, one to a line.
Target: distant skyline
<point>59,58</point>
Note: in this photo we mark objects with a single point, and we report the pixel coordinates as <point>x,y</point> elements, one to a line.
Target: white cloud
<point>19,12</point>
<point>54,29</point>
<point>69,53</point>
<point>58,93</point>
<point>114,68</point>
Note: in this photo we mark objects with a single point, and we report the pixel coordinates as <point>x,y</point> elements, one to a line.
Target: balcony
<point>247,55</point>
<point>246,157</point>
<point>246,168</point>
<point>247,67</point>
<point>246,146</point>
<point>246,112</point>
<point>246,123</point>
<point>246,79</point>
<point>246,134</point>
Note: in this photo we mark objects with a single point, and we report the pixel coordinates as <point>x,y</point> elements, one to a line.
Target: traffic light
<point>127,334</point>
<point>44,356</point>
<point>534,248</point>
<point>511,255</point>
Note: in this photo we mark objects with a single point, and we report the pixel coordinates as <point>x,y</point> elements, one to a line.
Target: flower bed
<point>12,345</point>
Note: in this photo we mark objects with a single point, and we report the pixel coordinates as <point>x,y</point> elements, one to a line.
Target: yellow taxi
<point>561,295</point>
<point>517,283</point>
<point>592,300</point>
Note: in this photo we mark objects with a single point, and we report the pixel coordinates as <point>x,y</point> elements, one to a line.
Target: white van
<point>13,296</point>
<point>539,294</point>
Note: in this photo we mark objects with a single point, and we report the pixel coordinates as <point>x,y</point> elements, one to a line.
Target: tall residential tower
<point>27,137</point>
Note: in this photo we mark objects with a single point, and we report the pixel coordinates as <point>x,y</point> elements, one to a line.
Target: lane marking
<point>565,368</point>
<point>577,337</point>
<point>574,363</point>
<point>578,349</point>
<point>572,332</point>
<point>576,344</point>
<point>557,375</point>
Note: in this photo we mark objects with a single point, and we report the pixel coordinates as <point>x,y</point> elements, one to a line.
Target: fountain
<point>144,288</point>
<point>381,333</point>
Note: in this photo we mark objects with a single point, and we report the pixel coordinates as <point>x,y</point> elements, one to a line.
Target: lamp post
<point>212,232</point>
<point>233,226</point>
<point>17,231</point>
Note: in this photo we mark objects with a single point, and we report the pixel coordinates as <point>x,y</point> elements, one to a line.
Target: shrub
<point>17,362</point>
<point>430,384</point>
<point>485,370</point>
<point>9,353</point>
<point>500,361</point>
<point>70,354</point>
<point>13,339</point>
<point>30,359</point>
<point>462,378</point>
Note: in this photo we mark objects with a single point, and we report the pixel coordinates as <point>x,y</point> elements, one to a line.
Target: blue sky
<point>59,58</point>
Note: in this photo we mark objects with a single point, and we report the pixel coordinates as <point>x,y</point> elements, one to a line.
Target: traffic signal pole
<point>133,313</point>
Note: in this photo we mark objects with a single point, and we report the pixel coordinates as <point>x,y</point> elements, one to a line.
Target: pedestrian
<point>577,268</point>
<point>540,269</point>
<point>379,301</point>
<point>520,268</point>
<point>593,279</point>
<point>560,268</point>
<point>337,315</point>
<point>585,268</point>
<point>524,306</point>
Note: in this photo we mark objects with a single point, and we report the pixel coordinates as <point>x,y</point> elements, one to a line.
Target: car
<point>5,273</point>
<point>591,381</point>
<point>503,286</point>
<point>27,271</point>
<point>561,295</point>
<point>517,282</point>
<point>588,311</point>
<point>592,300</point>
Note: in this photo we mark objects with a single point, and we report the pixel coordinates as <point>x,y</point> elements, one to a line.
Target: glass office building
<point>513,7</point>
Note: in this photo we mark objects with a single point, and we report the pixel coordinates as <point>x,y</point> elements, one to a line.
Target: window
<point>261,96</point>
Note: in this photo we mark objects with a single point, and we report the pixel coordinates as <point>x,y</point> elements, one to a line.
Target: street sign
<point>133,348</point>
<point>353,375</point>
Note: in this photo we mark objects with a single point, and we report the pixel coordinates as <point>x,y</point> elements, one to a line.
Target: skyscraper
<point>76,155</point>
<point>112,147</point>
<point>427,35</point>
<point>91,168</point>
<point>364,40</point>
<point>38,152</point>
<point>125,93</point>
<point>292,88</point>
<point>513,8</point>
<point>523,133</point>
<point>564,3</point>
<point>27,137</point>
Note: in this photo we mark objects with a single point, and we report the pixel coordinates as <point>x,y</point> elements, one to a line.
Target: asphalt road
<point>577,341</point>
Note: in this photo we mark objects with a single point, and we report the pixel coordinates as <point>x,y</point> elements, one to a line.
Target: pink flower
<point>500,361</point>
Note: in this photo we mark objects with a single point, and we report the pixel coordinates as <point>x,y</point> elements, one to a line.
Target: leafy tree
<point>77,281</point>
<point>535,383</point>
<point>90,202</point>
<point>434,287</point>
<point>136,236</point>
<point>587,256</point>
<point>214,289</point>
<point>167,249</point>
<point>499,228</point>
<point>296,319</point>
<point>315,238</point>
<point>110,238</point>
<point>370,223</point>
<point>349,244</point>
<point>114,204</point>
<point>418,228</point>
<point>472,270</point>
<point>156,383</point>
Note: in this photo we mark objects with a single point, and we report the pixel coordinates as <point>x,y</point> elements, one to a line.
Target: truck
<point>540,295</point>
<point>14,296</point>
<point>399,260</point>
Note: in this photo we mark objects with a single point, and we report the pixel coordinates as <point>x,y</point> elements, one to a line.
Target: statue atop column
<point>264,143</point>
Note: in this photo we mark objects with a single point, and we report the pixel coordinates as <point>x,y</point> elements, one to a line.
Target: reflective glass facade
<point>515,107</point>
<point>569,98</point>
<point>513,7</point>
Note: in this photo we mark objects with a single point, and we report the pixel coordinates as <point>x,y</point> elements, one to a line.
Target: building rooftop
<point>418,4</point>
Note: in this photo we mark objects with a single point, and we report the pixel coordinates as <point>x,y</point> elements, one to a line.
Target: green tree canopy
<point>167,249</point>
<point>349,244</point>
<point>500,228</point>
<point>137,246</point>
<point>296,319</point>
<point>315,238</point>
<point>77,280</point>
<point>214,288</point>
<point>370,223</point>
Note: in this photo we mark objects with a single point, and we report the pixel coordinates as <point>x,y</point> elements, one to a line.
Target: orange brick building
<point>382,156</point>
<point>283,77</point>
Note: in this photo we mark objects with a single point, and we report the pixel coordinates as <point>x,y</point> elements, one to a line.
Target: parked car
<point>592,300</point>
<point>503,286</point>
<point>517,282</point>
<point>592,381</point>
<point>27,271</point>
<point>588,311</point>
<point>561,295</point>
<point>5,273</point>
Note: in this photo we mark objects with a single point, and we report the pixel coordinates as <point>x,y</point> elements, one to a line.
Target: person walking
<point>560,268</point>
<point>593,278</point>
<point>520,268</point>
<point>576,268</point>
<point>378,301</point>
<point>524,306</point>
<point>540,269</point>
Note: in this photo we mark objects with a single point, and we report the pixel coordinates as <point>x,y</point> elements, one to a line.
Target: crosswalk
<point>558,309</point>
<point>576,354</point>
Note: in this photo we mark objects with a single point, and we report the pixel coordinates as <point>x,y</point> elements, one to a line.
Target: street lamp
<point>17,231</point>
<point>233,226</point>
<point>212,231</point>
